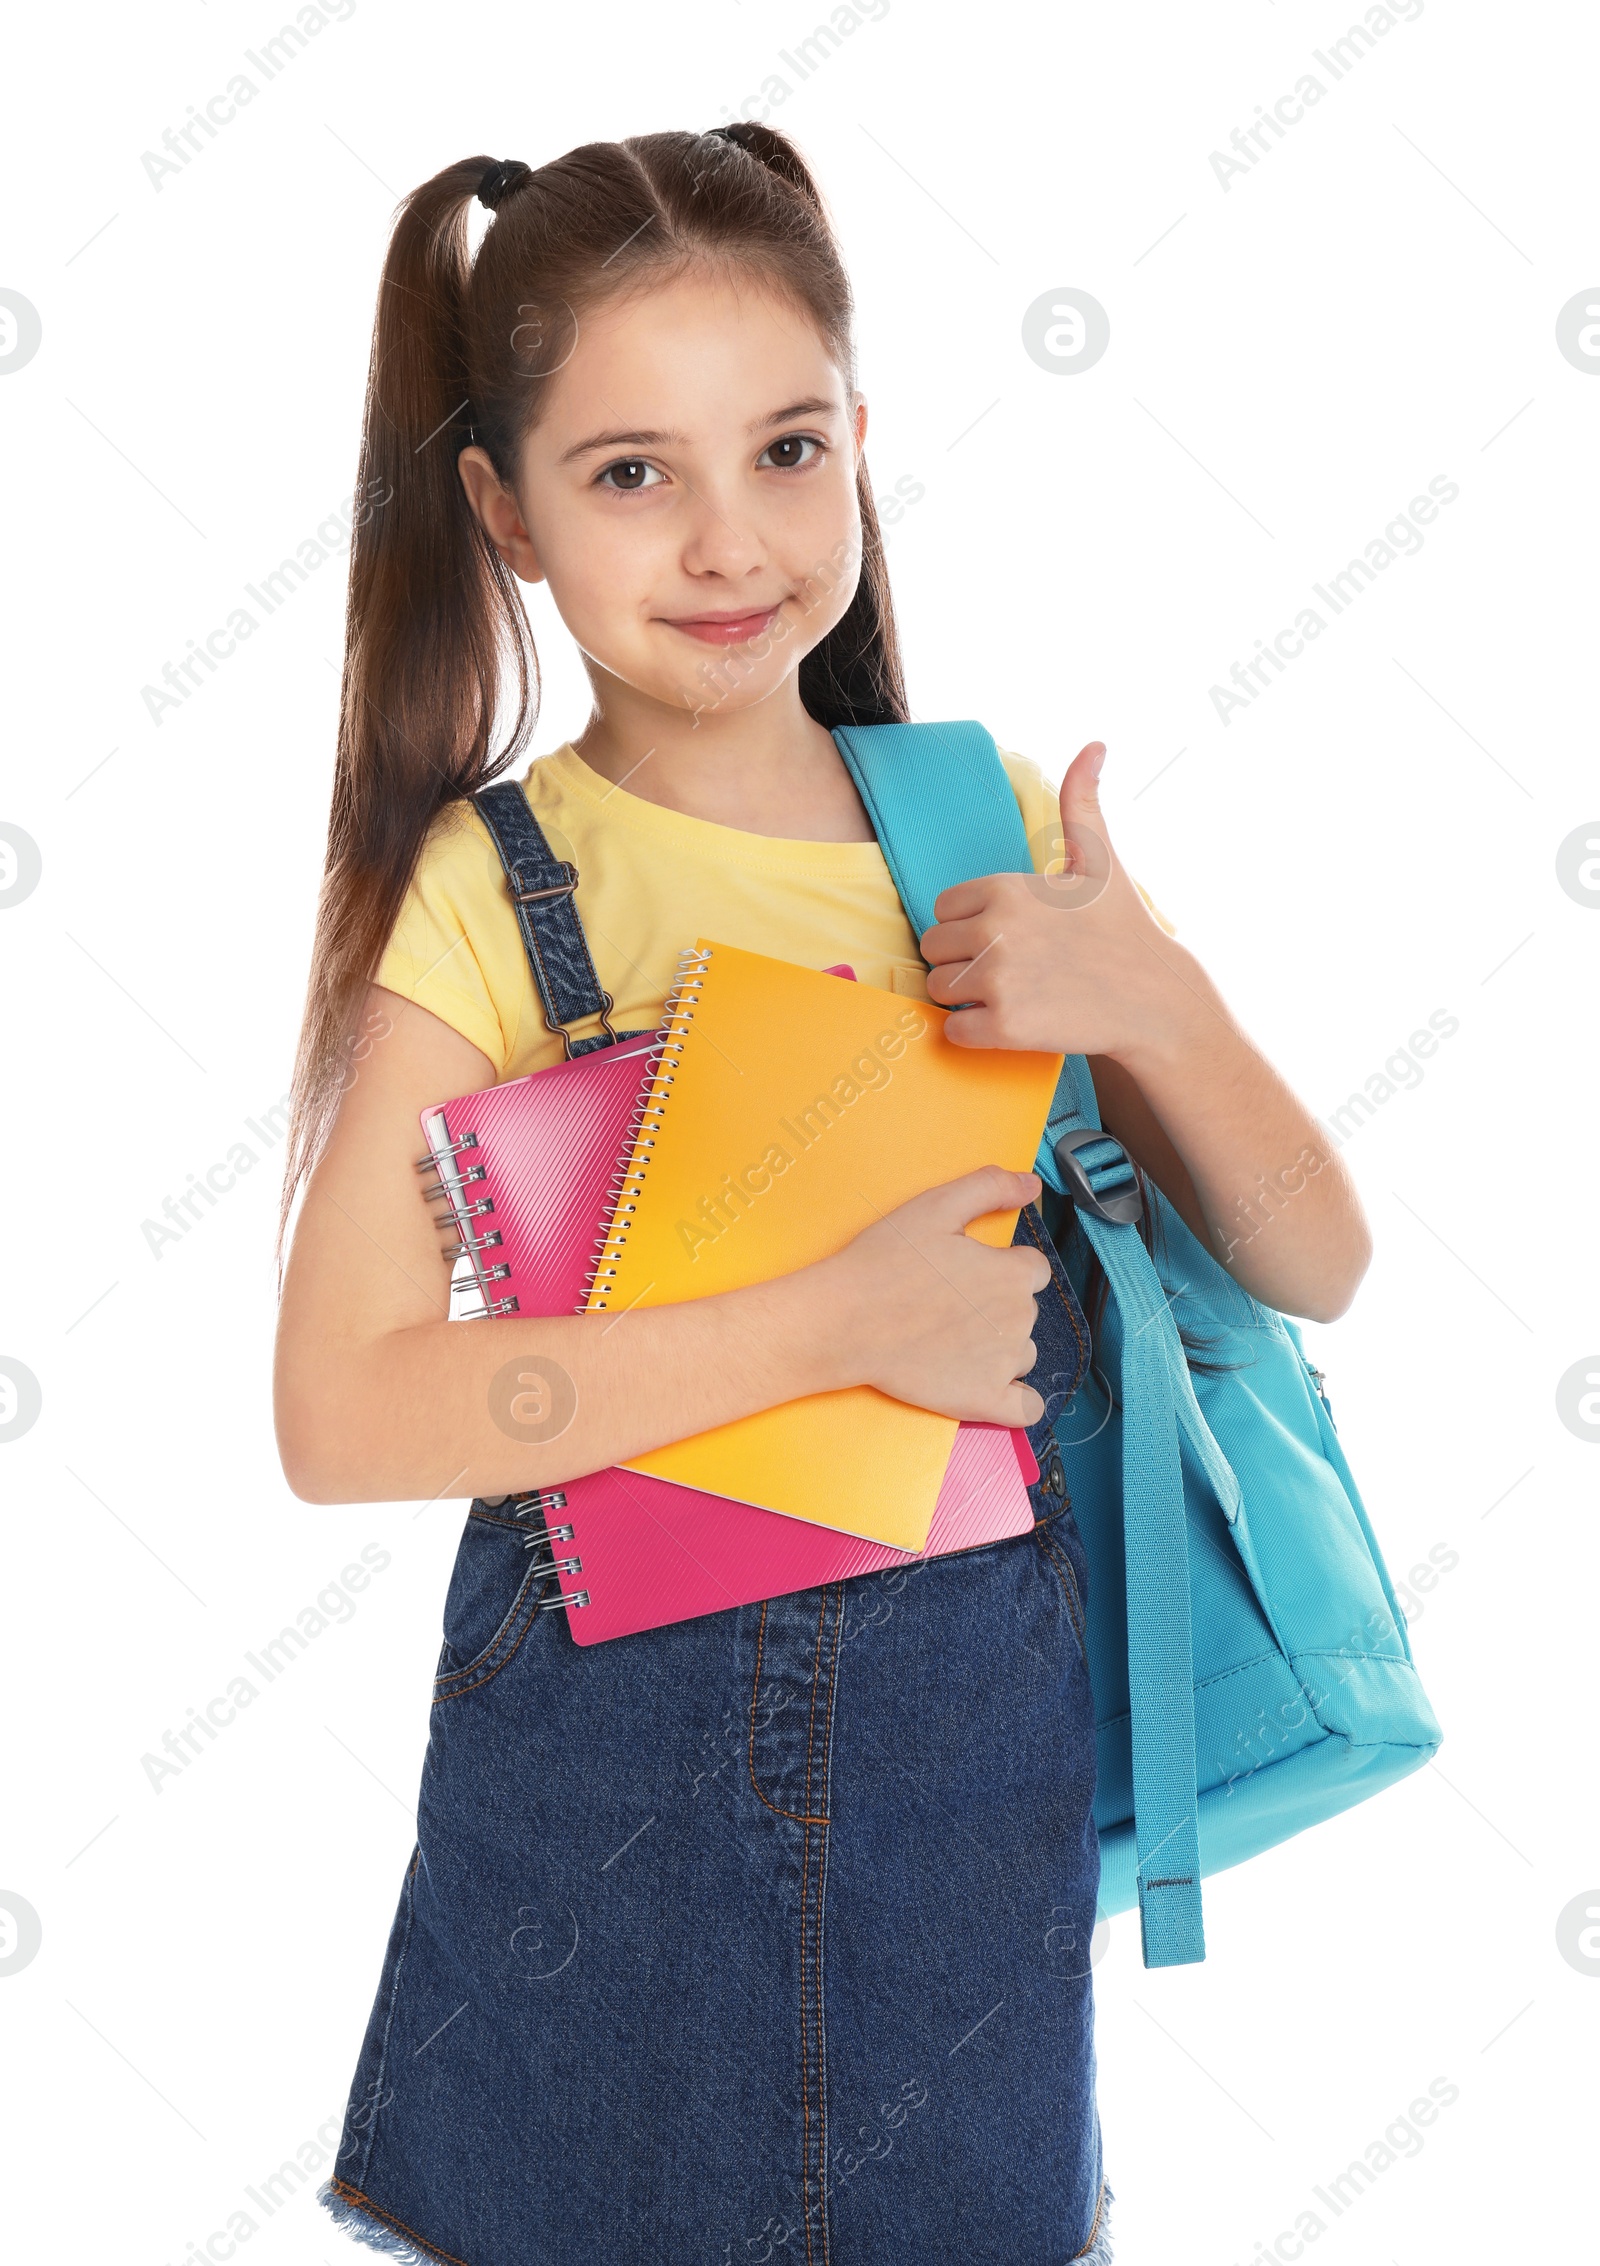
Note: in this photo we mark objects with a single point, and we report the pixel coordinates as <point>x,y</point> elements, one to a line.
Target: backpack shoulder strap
<point>541,887</point>
<point>943,811</point>
<point>942,808</point>
<point>940,804</point>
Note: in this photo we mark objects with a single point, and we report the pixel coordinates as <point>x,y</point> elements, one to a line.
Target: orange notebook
<point>789,1111</point>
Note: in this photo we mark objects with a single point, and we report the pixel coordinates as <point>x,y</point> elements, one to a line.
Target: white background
<point>1292,358</point>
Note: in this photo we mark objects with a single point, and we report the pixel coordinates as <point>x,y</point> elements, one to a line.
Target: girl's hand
<point>1065,962</point>
<point>928,1314</point>
<point>1073,963</point>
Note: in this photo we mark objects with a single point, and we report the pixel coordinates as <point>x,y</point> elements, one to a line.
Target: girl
<point>764,1932</point>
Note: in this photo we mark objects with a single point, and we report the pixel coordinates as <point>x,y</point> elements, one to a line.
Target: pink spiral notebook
<point>641,1551</point>
<point>529,1172</point>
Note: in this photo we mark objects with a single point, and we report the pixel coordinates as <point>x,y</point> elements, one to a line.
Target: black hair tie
<point>501,179</point>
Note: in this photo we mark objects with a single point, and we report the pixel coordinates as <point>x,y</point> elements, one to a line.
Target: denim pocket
<point>494,1593</point>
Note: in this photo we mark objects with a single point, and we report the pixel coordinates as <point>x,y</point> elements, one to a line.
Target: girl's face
<point>689,493</point>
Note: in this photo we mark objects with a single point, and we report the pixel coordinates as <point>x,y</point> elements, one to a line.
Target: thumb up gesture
<point>1067,961</point>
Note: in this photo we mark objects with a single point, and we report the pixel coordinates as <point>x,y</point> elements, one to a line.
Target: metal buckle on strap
<point>1118,1206</point>
<point>562,888</point>
<point>569,1045</point>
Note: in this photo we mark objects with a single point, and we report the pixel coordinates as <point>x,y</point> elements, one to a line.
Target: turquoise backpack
<point>1249,1659</point>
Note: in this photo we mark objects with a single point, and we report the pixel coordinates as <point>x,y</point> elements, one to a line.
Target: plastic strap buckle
<point>1106,1186</point>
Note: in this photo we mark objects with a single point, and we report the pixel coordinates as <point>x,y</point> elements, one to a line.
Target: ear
<point>498,513</point>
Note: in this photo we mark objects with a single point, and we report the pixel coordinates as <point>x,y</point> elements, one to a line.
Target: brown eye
<point>629,474</point>
<point>785,455</point>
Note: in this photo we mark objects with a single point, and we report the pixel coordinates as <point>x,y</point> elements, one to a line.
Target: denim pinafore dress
<point>762,1936</point>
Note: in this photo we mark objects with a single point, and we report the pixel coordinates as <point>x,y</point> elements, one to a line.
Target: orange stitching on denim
<point>805,1933</point>
<point>1094,2231</point>
<point>816,1670</point>
<point>755,1688</point>
<point>827,1797</point>
<point>1067,1304</point>
<point>519,1610</point>
<point>810,1950</point>
<point>530,934</point>
<point>805,2053</point>
<point>811,1982</point>
<point>509,1622</point>
<point>833,1669</point>
<point>354,2195</point>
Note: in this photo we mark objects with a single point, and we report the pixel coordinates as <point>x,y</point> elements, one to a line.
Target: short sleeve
<point>430,956</point>
<point>1040,805</point>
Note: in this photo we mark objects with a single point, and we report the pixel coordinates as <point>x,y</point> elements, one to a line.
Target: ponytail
<point>436,639</point>
<point>431,611</point>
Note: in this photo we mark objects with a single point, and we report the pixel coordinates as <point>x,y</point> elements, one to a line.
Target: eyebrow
<point>812,407</point>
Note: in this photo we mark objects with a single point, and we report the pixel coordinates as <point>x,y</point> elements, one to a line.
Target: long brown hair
<point>436,637</point>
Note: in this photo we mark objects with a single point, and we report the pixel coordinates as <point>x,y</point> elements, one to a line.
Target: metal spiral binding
<point>474,1243</point>
<point>539,1501</point>
<point>451,1148</point>
<point>644,1123</point>
<point>439,1189</point>
<point>560,1566</point>
<point>450,1182</point>
<point>449,1185</point>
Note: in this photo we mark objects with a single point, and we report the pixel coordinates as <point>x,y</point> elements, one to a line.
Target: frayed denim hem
<point>361,2223</point>
<point>1098,2252</point>
<point>357,2222</point>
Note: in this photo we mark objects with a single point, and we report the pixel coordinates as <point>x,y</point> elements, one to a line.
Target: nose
<point>721,537</point>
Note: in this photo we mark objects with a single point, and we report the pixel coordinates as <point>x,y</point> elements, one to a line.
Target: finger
<point>957,940</point>
<point>973,1026</point>
<point>1034,1264</point>
<point>944,984</point>
<point>1086,841</point>
<point>992,1188</point>
<point>1080,789</point>
<point>1026,1359</point>
<point>1020,1406</point>
<point>963,983</point>
<point>963,898</point>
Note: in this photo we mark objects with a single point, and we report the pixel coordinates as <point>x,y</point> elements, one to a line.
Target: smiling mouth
<point>726,629</point>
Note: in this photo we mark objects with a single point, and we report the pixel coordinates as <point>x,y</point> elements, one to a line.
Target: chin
<point>730,680</point>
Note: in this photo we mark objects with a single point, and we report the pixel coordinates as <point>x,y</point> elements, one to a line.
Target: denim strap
<point>542,888</point>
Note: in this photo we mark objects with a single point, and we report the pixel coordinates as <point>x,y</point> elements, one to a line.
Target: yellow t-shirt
<point>650,881</point>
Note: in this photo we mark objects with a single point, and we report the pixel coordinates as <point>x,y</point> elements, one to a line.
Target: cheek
<point>601,570</point>
<point>815,538</point>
